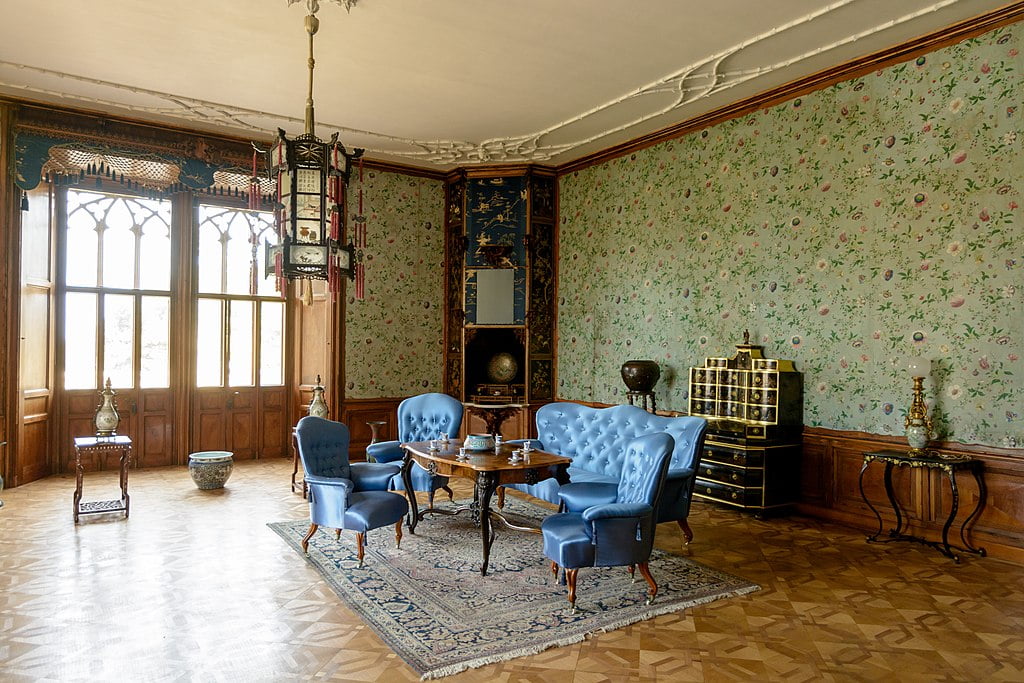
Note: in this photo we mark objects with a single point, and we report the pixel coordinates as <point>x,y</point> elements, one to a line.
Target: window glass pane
<point>118,339</point>
<point>240,254</point>
<point>240,363</point>
<point>271,343</point>
<point>231,246</point>
<point>209,337</point>
<point>265,285</point>
<point>211,260</point>
<point>155,254</point>
<point>119,248</point>
<point>154,370</point>
<point>82,240</point>
<point>80,341</point>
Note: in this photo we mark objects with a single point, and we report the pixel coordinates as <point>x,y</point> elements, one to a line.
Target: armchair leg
<point>398,534</point>
<point>646,571</point>
<point>360,540</point>
<point>570,576</point>
<point>501,497</point>
<point>451,494</point>
<point>337,534</point>
<point>309,535</point>
<point>632,573</point>
<point>687,532</point>
<point>554,569</point>
<point>430,500</point>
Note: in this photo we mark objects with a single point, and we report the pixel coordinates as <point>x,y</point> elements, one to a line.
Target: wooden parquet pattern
<point>195,587</point>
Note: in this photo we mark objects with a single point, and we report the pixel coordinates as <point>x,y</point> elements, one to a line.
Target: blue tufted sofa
<point>596,440</point>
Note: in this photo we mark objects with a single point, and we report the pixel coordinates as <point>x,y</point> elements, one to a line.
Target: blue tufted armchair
<point>344,495</point>
<point>619,532</point>
<point>420,418</point>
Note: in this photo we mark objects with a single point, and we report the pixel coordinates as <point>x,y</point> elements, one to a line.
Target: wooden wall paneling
<point>815,472</point>
<point>8,357</point>
<point>923,495</point>
<point>357,413</point>
<point>182,350</point>
<point>274,429</point>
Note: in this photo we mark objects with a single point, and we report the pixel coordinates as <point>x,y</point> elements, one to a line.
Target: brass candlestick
<point>917,423</point>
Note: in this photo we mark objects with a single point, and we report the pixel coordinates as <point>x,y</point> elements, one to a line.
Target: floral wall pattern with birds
<point>393,345</point>
<point>848,229</point>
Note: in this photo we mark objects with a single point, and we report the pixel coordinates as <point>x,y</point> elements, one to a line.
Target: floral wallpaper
<point>393,342</point>
<point>848,230</point>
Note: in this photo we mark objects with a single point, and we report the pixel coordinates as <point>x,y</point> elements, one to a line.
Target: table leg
<point>867,502</point>
<point>414,512</point>
<point>892,501</point>
<point>78,482</point>
<point>977,510</point>
<point>954,506</point>
<point>126,455</point>
<point>295,467</point>
<point>486,484</point>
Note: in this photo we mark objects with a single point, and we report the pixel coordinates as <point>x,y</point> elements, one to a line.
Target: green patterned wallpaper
<point>848,230</point>
<point>393,345</point>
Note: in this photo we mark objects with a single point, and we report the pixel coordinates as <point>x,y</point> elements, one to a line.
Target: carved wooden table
<point>950,466</point>
<point>488,470</point>
<point>98,445</point>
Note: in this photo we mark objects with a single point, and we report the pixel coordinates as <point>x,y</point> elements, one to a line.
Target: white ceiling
<point>443,83</point>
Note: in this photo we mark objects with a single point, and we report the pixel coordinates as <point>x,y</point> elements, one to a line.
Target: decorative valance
<point>47,157</point>
<point>69,147</point>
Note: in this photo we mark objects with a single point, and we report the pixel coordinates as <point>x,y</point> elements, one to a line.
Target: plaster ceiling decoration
<point>447,83</point>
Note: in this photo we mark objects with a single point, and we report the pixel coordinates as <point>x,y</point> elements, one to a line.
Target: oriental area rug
<point>429,603</point>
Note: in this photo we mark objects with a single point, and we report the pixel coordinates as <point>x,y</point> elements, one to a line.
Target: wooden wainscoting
<point>832,461</point>
<point>357,413</point>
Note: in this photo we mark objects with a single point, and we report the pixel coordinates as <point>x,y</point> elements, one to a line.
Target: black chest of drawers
<point>754,408</point>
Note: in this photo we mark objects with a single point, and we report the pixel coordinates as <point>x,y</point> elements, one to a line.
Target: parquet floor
<point>195,587</point>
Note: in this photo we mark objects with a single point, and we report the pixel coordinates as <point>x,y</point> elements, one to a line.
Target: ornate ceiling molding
<point>672,95</point>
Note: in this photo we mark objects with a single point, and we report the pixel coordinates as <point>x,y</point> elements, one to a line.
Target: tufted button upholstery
<point>597,440</point>
<point>422,418</point>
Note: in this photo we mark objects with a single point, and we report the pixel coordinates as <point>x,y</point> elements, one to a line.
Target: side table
<point>494,414</point>
<point>99,445</point>
<point>931,461</point>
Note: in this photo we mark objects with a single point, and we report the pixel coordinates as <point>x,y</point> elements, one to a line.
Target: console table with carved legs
<point>931,460</point>
<point>488,470</point>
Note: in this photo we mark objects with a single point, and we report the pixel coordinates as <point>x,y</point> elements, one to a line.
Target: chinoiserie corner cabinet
<point>500,237</point>
<point>754,408</point>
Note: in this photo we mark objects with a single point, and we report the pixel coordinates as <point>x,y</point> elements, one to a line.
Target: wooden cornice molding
<point>963,30</point>
<point>404,169</point>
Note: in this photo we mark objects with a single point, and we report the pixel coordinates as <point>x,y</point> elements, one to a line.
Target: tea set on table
<point>475,443</point>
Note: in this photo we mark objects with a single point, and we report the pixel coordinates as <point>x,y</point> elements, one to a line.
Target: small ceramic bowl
<point>479,442</point>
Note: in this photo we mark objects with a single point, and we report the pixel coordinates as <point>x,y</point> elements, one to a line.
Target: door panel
<point>35,371</point>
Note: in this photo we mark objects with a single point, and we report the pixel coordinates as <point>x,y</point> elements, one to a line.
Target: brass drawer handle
<point>707,489</point>
<point>737,457</point>
<point>735,496</point>
<point>735,477</point>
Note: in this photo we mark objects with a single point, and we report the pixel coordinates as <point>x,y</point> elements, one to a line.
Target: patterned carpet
<point>429,603</point>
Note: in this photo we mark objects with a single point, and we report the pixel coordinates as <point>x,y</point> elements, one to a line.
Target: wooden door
<point>35,357</point>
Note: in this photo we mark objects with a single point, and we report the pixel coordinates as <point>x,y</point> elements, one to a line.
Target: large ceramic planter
<point>210,469</point>
<point>640,375</point>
